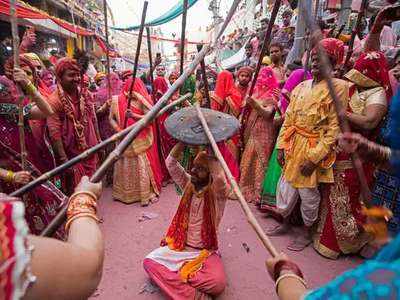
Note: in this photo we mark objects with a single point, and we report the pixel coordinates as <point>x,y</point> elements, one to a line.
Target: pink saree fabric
<point>294,79</point>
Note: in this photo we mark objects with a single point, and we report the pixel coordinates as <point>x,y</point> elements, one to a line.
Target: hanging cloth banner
<point>25,11</point>
<point>173,13</point>
<point>103,45</point>
<point>159,38</point>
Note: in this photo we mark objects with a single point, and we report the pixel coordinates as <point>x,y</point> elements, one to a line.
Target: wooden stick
<point>326,70</point>
<point>266,43</point>
<point>15,38</point>
<point>175,103</point>
<point>205,81</point>
<point>84,155</point>
<point>108,69</point>
<point>249,214</point>
<point>356,29</point>
<point>308,51</point>
<point>113,157</point>
<point>183,34</point>
<point>149,51</point>
<point>123,145</point>
<point>135,66</point>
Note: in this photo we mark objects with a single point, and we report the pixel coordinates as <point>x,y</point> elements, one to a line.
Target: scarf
<point>79,124</point>
<point>177,231</point>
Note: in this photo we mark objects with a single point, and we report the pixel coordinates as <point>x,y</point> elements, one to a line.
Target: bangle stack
<point>30,89</point>
<point>81,204</point>
<point>289,275</point>
<point>10,176</point>
<point>293,272</point>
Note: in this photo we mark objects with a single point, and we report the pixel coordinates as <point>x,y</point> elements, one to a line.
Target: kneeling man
<point>188,265</point>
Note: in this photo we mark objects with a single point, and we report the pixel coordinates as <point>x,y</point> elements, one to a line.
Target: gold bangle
<point>10,176</point>
<point>289,275</point>
<point>90,194</point>
<point>81,215</point>
<point>30,89</point>
<point>81,203</point>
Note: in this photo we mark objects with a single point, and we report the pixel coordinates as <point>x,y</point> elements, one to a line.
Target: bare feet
<point>299,244</point>
<point>279,230</point>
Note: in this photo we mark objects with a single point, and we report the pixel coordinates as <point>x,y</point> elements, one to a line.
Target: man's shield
<point>185,126</point>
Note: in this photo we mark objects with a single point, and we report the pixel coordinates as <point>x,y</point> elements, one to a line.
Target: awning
<point>54,28</point>
<point>43,19</point>
<point>173,13</point>
<point>25,11</point>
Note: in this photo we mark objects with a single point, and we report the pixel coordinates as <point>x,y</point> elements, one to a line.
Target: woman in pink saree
<point>259,134</point>
<point>295,78</point>
<point>102,103</point>
<point>43,202</point>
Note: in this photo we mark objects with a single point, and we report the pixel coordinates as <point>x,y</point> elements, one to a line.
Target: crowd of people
<point>288,157</point>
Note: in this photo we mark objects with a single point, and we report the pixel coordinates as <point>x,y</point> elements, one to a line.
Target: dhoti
<point>287,197</point>
<point>206,283</point>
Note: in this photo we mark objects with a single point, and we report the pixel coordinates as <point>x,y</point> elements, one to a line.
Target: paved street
<point>128,241</point>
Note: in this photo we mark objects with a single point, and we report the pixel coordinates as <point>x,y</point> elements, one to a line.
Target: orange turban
<point>65,64</point>
<point>245,69</point>
<point>334,48</point>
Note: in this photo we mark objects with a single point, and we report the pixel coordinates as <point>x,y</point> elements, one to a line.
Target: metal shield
<point>185,126</point>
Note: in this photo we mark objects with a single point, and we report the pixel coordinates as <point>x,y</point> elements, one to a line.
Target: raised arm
<point>42,108</point>
<point>220,183</point>
<point>113,118</point>
<point>177,172</point>
<point>385,17</point>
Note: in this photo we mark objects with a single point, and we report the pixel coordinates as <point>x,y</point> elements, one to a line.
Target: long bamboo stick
<point>108,68</point>
<point>15,38</point>
<point>114,138</point>
<point>149,51</point>
<point>183,35</point>
<point>326,70</point>
<point>114,156</point>
<point>266,43</point>
<point>356,29</point>
<point>175,103</point>
<point>205,81</point>
<point>249,214</point>
<point>136,63</point>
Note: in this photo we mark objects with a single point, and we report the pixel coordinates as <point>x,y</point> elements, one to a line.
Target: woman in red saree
<point>259,134</point>
<point>340,227</point>
<point>165,141</point>
<point>38,127</point>
<point>43,202</point>
<point>227,99</point>
<point>137,176</point>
